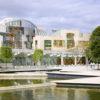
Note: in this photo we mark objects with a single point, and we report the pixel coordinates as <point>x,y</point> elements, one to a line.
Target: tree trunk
<point>98,65</point>
<point>38,63</point>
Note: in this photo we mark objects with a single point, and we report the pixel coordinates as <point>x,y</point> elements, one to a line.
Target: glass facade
<point>47,44</point>
<point>70,40</point>
<point>21,23</point>
<point>83,44</point>
<point>23,32</point>
<point>14,37</point>
<point>59,43</point>
<point>19,36</point>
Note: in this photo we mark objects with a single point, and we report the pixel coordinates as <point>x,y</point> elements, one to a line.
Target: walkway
<point>83,82</point>
<point>24,75</point>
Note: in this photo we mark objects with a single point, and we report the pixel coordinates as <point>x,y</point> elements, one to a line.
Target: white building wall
<point>2,28</point>
<point>40,42</point>
<point>59,35</point>
<point>62,34</point>
<point>84,37</point>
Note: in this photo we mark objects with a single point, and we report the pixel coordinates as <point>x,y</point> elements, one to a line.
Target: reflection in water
<point>4,83</point>
<point>11,96</point>
<point>52,94</point>
<point>94,95</point>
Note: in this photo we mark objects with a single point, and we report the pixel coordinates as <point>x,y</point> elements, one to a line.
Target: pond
<point>5,83</point>
<point>52,93</point>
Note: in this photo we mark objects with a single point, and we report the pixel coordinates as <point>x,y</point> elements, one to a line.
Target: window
<point>70,40</point>
<point>27,36</point>
<point>83,44</point>
<point>28,45</point>
<point>70,35</point>
<point>35,42</point>
<point>59,43</point>
<point>47,44</point>
<point>33,30</point>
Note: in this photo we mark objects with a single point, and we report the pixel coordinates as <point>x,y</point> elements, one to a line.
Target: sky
<point>83,15</point>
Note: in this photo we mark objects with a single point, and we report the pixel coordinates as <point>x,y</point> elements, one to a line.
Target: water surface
<point>52,93</point>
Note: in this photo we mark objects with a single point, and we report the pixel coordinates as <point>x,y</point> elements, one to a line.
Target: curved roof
<point>22,23</point>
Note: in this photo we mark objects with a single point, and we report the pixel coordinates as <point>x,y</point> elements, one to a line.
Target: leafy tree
<point>6,54</point>
<point>38,56</point>
<point>93,51</point>
<point>88,54</point>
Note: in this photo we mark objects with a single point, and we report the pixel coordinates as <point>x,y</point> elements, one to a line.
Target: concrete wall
<point>4,65</point>
<point>59,35</point>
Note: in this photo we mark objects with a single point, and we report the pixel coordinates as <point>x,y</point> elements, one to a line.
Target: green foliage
<point>88,53</point>
<point>5,83</point>
<point>94,47</point>
<point>37,81</point>
<point>38,55</point>
<point>6,54</point>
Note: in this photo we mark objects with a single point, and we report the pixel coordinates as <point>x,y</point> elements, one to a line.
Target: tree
<point>93,52</point>
<point>6,54</point>
<point>38,56</point>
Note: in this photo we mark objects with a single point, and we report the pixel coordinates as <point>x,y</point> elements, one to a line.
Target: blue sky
<point>55,14</point>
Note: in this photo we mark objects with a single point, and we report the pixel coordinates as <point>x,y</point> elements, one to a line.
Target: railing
<point>28,51</point>
<point>28,68</point>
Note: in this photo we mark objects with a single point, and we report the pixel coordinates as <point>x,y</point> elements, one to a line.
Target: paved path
<point>84,73</point>
<point>92,82</point>
<point>24,75</point>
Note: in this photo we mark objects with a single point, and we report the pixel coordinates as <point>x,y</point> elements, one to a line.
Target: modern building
<point>64,47</point>
<point>18,34</point>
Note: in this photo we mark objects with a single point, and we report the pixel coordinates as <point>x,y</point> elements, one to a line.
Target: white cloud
<point>55,13</point>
